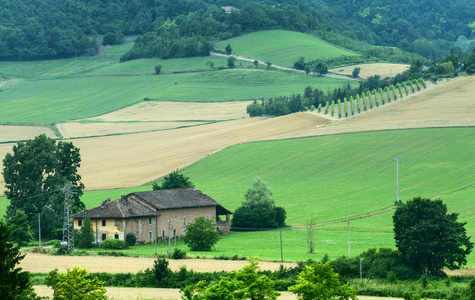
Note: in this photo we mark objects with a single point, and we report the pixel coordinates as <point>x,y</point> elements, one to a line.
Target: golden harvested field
<point>134,159</point>
<point>382,69</point>
<point>42,263</point>
<point>178,111</point>
<point>76,129</point>
<point>18,133</point>
<point>446,105</point>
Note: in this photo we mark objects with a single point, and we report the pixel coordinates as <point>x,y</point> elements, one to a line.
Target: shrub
<point>113,244</point>
<point>130,239</point>
<point>178,254</point>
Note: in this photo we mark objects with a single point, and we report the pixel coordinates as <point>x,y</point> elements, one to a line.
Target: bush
<point>178,254</point>
<point>113,244</point>
<point>131,239</point>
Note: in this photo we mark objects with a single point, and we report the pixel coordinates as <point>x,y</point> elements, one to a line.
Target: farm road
<point>250,59</point>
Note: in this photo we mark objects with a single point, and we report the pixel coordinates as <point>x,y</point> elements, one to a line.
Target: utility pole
<point>398,161</point>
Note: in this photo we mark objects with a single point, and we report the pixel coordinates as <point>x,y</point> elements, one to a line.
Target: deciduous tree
<point>201,235</point>
<point>318,281</point>
<point>36,172</point>
<point>75,284</point>
<point>174,180</point>
<point>429,238</point>
<point>258,210</point>
<point>247,283</point>
<point>21,233</point>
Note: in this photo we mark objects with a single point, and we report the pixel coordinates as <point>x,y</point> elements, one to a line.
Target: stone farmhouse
<point>153,215</point>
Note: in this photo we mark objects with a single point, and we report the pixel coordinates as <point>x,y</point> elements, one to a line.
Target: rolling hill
<point>282,47</point>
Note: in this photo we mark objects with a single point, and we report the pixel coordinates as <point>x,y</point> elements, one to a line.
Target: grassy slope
<point>354,172</point>
<point>59,100</point>
<point>333,178</point>
<point>286,47</point>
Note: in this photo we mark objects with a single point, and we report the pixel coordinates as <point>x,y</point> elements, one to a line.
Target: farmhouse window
<point>116,236</point>
<point>116,222</point>
<point>163,232</point>
<point>174,232</point>
<point>207,217</point>
<point>79,223</point>
<point>149,221</point>
<point>103,223</point>
<point>184,221</point>
<point>104,236</point>
<point>150,235</point>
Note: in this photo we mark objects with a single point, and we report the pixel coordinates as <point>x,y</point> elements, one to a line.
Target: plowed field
<point>382,69</point>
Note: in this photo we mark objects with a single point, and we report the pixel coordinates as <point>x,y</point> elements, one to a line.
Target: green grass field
<point>333,178</point>
<point>286,47</point>
<point>59,100</point>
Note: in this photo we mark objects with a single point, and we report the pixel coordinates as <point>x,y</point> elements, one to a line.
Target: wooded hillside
<point>42,29</point>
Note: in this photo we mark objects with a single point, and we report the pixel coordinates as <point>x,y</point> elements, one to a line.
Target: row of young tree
<point>371,99</point>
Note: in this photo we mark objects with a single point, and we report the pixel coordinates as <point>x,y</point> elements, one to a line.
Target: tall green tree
<point>258,210</point>
<point>86,234</point>
<point>201,235</point>
<point>174,180</point>
<point>21,232</point>
<point>429,238</point>
<point>228,49</point>
<point>36,172</point>
<point>318,281</point>
<point>14,283</point>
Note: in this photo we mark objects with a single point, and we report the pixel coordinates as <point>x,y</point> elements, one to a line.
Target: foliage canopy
<point>14,283</point>
<point>174,180</point>
<point>75,284</point>
<point>318,281</point>
<point>247,283</point>
<point>35,175</point>
<point>258,210</point>
<point>201,235</point>
<point>429,238</point>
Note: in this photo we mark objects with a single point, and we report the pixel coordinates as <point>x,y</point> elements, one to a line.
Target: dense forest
<point>41,29</point>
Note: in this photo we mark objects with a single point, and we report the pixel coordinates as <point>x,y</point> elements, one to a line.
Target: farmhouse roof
<point>177,198</point>
<point>146,204</point>
<point>118,209</point>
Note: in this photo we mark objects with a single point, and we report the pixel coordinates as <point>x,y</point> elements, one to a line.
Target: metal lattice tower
<point>68,237</point>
